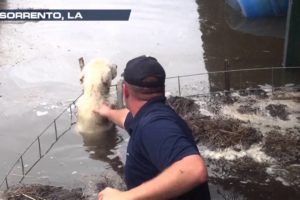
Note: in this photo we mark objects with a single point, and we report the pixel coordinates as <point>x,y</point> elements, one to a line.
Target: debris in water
<point>247,109</point>
<point>278,110</point>
<point>183,106</point>
<point>37,191</point>
<point>214,132</point>
<point>283,147</point>
<point>257,92</point>
<point>223,133</point>
<point>241,138</point>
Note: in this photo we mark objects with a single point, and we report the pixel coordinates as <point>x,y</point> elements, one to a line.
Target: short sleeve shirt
<point>158,138</point>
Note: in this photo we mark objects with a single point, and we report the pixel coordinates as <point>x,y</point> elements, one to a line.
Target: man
<point>162,160</point>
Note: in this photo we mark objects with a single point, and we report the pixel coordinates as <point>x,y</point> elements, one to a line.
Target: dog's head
<point>113,70</point>
<point>97,76</point>
<point>106,77</point>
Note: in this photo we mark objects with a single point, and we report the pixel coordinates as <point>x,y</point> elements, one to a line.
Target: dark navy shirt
<point>158,138</point>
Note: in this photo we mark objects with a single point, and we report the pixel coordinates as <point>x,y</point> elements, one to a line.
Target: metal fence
<point>233,81</point>
<point>40,147</point>
<point>187,85</point>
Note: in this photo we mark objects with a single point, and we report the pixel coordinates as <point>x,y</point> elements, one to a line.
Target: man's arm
<point>116,116</point>
<point>179,178</point>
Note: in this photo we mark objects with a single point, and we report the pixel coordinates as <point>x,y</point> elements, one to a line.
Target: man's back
<point>159,138</point>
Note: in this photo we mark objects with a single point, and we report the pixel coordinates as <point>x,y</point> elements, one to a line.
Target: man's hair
<point>146,93</point>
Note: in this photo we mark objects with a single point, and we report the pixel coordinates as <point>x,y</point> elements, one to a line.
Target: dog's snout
<point>114,66</point>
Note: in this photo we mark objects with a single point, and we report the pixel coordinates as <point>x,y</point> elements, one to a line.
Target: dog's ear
<point>113,70</point>
<point>113,66</point>
<point>106,80</point>
<point>81,63</point>
<point>81,79</point>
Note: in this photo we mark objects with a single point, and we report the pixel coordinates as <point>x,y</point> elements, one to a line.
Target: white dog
<point>96,79</point>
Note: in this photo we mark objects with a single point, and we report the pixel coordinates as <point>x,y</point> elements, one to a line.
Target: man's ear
<point>125,91</point>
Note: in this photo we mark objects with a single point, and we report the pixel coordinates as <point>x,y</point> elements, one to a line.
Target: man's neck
<point>136,106</point>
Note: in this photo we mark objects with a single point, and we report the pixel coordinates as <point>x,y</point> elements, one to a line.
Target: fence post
<point>40,149</point>
<point>22,163</point>
<point>6,183</point>
<point>55,129</point>
<point>272,80</point>
<point>71,113</point>
<point>226,76</point>
<point>179,90</point>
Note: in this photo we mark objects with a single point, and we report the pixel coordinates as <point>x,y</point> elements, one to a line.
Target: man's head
<point>144,78</point>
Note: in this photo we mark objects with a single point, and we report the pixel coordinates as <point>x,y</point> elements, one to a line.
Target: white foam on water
<point>255,152</point>
<point>43,103</point>
<point>203,107</point>
<point>168,94</point>
<point>206,112</point>
<point>283,174</point>
<point>262,118</point>
<point>266,87</point>
<point>41,113</point>
<point>284,182</point>
<point>53,107</point>
<point>112,156</point>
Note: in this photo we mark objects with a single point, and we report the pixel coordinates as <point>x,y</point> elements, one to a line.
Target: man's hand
<point>116,116</point>
<point>111,194</point>
<point>103,110</point>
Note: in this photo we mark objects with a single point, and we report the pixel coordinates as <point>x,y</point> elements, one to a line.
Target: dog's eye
<point>114,66</point>
<point>81,80</point>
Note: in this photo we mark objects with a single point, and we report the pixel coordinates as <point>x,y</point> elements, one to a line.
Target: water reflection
<point>266,26</point>
<point>101,147</point>
<point>226,36</point>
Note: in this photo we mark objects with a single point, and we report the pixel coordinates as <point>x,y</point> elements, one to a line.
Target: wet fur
<point>96,79</point>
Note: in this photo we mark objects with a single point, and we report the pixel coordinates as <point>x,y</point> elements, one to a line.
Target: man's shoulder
<point>160,113</point>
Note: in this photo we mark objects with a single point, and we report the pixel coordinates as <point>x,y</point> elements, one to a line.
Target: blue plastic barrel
<point>262,8</point>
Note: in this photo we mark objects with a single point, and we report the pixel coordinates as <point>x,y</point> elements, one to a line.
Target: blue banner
<point>64,15</point>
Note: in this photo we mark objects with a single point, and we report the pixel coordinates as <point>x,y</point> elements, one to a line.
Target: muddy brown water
<point>39,78</point>
<point>244,43</point>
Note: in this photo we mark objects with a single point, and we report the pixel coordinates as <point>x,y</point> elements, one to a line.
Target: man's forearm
<point>118,116</point>
<point>181,177</point>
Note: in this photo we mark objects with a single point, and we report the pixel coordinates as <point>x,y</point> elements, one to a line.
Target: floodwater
<point>39,72</point>
<point>245,44</point>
